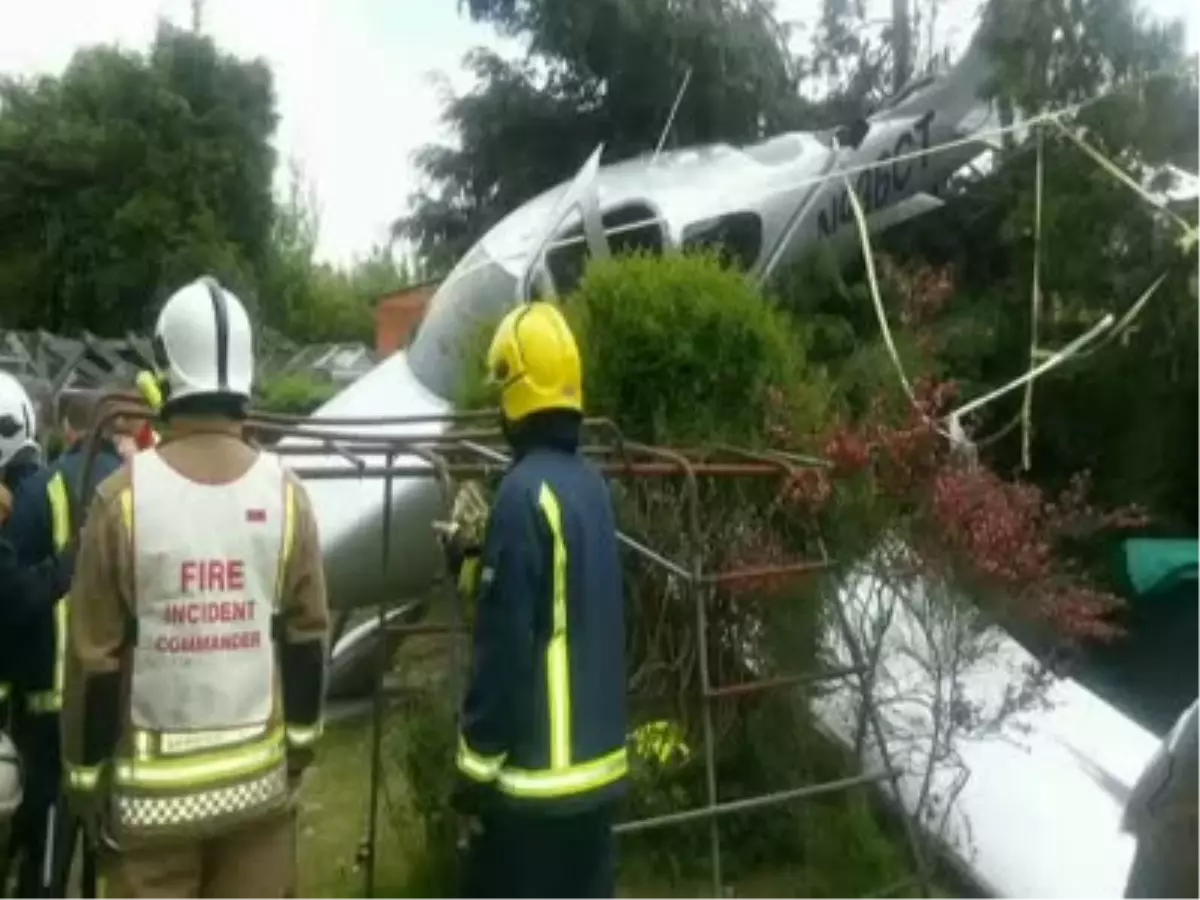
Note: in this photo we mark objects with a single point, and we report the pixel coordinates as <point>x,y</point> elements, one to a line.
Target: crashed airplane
<point>763,205</point>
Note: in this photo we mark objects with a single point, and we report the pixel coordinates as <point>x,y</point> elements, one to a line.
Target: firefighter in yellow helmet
<point>542,756</point>
<point>196,640</point>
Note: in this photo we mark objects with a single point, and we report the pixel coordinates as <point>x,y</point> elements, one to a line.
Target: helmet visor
<point>10,426</point>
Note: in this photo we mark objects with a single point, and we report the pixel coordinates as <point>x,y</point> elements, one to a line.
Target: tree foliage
<point>132,173</point>
<point>129,174</point>
<point>602,71</point>
<point>312,301</point>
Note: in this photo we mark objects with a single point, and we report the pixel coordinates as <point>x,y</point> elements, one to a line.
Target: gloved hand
<point>463,534</point>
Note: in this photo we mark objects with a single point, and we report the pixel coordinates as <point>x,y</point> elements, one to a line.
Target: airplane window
<point>641,231</point>
<point>737,237</point>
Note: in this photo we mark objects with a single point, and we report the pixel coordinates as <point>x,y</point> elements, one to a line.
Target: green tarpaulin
<point>1155,564</point>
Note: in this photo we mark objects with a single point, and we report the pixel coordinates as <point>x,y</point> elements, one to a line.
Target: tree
<point>127,175</point>
<point>597,71</point>
<point>316,302</point>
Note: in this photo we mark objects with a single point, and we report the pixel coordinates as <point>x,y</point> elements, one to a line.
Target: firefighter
<point>40,530</point>
<point>22,592</point>
<point>541,755</point>
<point>196,640</point>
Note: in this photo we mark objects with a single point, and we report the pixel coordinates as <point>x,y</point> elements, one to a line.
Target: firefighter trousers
<point>524,855</point>
<point>254,860</point>
<point>41,826</point>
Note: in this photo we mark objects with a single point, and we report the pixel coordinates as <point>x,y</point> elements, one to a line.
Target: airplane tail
<point>957,93</point>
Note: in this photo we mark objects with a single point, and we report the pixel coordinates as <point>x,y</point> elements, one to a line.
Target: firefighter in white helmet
<point>20,457</point>
<point>22,591</point>
<point>196,651</point>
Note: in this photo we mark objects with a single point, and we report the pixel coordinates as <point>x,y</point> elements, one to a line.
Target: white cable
<point>1045,366</point>
<point>1035,303</point>
<point>954,433</point>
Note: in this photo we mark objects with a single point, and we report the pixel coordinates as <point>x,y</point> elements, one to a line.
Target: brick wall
<point>397,316</point>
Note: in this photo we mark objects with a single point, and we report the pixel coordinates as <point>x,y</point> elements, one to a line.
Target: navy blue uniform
<point>21,591</point>
<point>542,750</point>
<point>35,530</point>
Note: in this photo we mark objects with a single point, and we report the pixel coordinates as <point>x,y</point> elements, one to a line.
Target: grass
<point>333,817</point>
<point>333,826</point>
<point>833,846</point>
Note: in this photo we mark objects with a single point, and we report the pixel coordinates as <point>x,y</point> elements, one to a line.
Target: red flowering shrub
<point>895,471</point>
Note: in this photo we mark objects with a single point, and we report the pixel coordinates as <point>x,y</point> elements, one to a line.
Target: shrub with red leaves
<point>1003,540</point>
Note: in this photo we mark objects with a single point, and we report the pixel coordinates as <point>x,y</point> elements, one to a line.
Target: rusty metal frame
<point>470,451</point>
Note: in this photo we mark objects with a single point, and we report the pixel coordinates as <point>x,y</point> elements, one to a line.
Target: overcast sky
<point>354,78</point>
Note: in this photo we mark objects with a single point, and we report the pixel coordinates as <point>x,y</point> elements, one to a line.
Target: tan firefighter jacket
<point>197,625</point>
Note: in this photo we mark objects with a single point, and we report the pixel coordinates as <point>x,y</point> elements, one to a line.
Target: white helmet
<point>18,423</point>
<point>202,343</point>
<point>10,778</point>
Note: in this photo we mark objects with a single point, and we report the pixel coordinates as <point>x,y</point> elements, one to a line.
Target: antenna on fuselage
<point>662,138</point>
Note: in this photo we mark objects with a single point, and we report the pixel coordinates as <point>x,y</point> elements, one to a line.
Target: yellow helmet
<point>535,361</point>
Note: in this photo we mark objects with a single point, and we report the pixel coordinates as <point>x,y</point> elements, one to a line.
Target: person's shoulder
<point>518,489</point>
<point>34,481</point>
<point>303,508</point>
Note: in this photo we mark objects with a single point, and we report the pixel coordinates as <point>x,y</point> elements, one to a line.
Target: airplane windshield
<point>631,227</point>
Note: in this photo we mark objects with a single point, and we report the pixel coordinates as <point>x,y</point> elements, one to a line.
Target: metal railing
<point>460,446</point>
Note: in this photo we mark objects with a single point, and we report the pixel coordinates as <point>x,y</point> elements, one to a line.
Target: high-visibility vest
<point>49,699</point>
<point>204,745</point>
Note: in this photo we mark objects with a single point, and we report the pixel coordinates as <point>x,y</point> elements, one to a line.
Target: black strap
<point>221,321</point>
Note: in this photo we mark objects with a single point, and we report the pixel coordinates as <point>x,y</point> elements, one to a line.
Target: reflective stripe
<point>468,577</point>
<point>289,534</point>
<point>50,701</point>
<point>476,766</point>
<point>83,778</point>
<point>575,780</point>
<point>304,735</point>
<point>60,512</point>
<point>127,509</point>
<point>42,702</point>
<point>192,771</point>
<point>176,743</point>
<point>192,807</point>
<point>558,670</point>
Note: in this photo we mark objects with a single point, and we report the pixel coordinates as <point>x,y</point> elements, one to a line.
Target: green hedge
<point>680,349</point>
<point>296,394</point>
